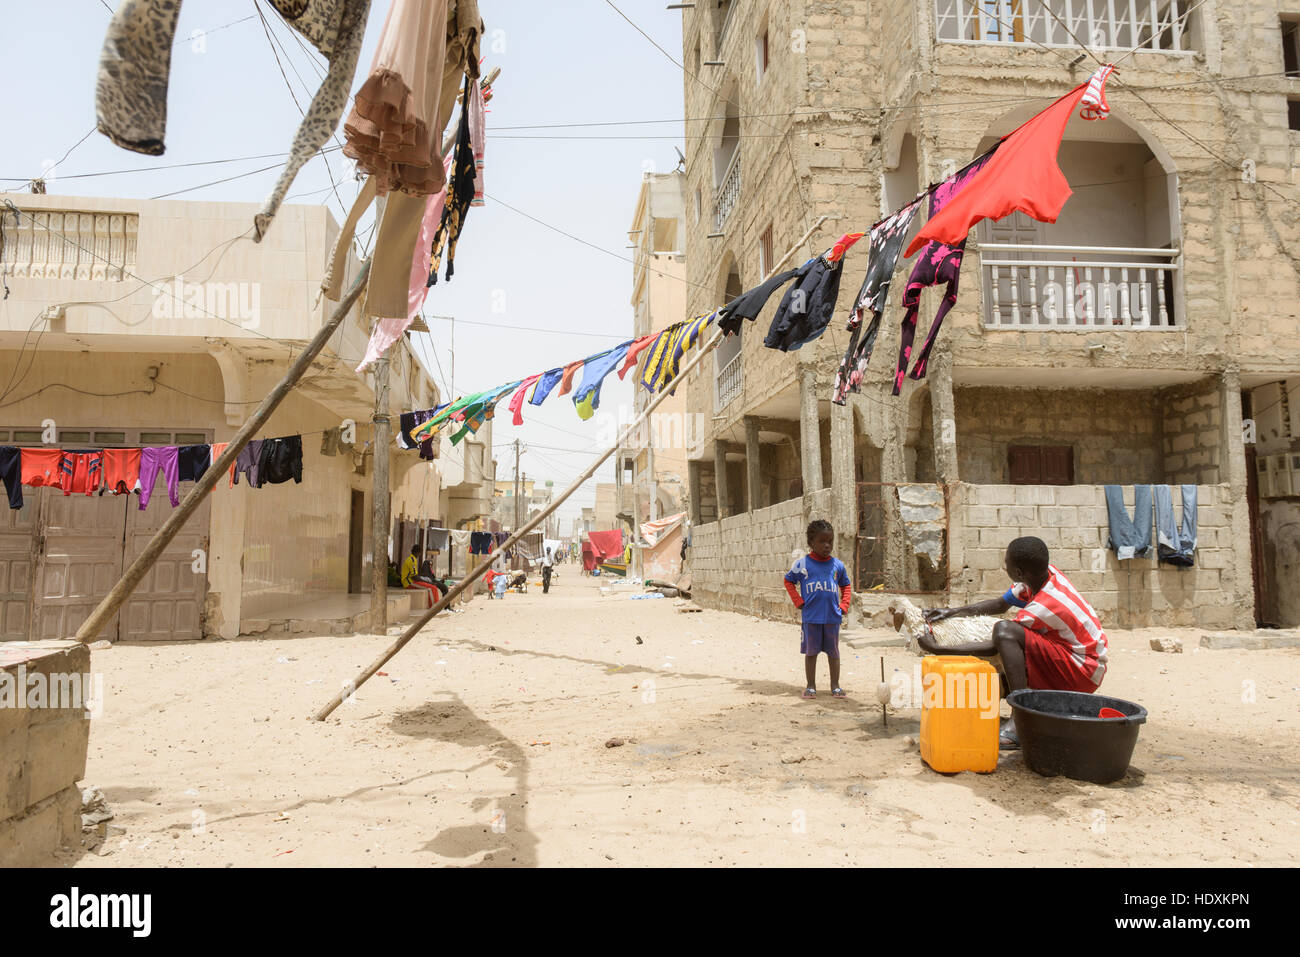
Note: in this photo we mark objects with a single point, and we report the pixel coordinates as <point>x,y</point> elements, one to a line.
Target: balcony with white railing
<point>1083,288</point>
<point>730,379</point>
<point>728,192</point>
<point>1164,25</point>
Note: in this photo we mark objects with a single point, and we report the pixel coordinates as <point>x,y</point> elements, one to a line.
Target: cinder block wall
<point>42,755</point>
<point>739,562</point>
<point>1193,433</point>
<point>1072,520</point>
<point>1115,435</point>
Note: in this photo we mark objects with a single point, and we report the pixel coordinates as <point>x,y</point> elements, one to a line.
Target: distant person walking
<point>548,563</point>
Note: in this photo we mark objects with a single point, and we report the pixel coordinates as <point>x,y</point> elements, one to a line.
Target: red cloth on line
<point>566,383</point>
<point>517,400</point>
<point>634,350</point>
<point>606,545</point>
<point>588,557</point>
<point>41,467</point>
<point>1021,175</point>
<point>843,245</point>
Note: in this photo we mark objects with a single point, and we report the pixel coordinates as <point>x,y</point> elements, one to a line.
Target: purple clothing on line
<point>167,458</point>
<point>247,461</point>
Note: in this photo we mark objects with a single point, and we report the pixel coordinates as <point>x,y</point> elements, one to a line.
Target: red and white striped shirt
<point>1059,613</point>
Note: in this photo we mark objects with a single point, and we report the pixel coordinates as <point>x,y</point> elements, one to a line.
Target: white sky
<point>563,63</point>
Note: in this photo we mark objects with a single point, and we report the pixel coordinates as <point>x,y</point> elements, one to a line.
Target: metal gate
<point>888,553</point>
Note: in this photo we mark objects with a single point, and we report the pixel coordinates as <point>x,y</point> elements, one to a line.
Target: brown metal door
<point>17,551</point>
<point>356,547</point>
<point>79,559</point>
<point>1256,540</point>
<point>168,603</point>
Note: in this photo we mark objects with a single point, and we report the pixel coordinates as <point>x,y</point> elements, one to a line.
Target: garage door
<point>84,545</point>
<point>79,558</point>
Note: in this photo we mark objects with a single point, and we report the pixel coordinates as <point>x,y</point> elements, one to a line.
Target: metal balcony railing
<point>728,193</point>
<point>730,378</point>
<point>1101,24</point>
<point>1078,287</point>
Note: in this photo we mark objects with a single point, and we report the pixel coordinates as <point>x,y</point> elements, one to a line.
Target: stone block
<point>1251,641</point>
<point>1018,516</point>
<point>56,756</point>
<point>30,839</point>
<point>1079,495</point>
<point>1059,516</point>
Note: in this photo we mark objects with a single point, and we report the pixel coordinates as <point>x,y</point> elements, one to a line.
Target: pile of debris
<point>95,815</point>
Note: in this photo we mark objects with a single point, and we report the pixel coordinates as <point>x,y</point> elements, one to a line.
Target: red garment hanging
<point>633,351</point>
<point>517,400</point>
<point>1022,175</point>
<point>566,383</point>
<point>842,245</point>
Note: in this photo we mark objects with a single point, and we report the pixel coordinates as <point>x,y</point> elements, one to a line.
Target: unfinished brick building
<point>1147,337</point>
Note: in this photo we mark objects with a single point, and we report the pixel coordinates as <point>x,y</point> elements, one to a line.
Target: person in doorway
<point>819,586</point>
<point>411,577</point>
<point>1055,642</point>
<point>548,563</point>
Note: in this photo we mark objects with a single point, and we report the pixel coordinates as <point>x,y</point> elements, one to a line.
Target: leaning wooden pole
<point>107,608</point>
<point>474,574</point>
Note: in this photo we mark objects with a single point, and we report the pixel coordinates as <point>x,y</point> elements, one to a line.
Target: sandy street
<point>485,744</point>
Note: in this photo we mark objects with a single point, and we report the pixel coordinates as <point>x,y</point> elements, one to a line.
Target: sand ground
<point>484,745</point>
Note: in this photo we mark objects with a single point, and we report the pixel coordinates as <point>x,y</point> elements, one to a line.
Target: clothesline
<point>1019,173</point>
<point>120,471</point>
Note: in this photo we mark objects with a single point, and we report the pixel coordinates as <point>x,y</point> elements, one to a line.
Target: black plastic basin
<point>1061,734</point>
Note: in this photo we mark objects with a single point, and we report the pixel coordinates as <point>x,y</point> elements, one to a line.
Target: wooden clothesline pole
<point>465,583</point>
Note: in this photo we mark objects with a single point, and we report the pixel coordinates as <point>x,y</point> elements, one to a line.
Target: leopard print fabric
<point>131,88</point>
<point>135,64</point>
<point>320,21</point>
<point>327,105</point>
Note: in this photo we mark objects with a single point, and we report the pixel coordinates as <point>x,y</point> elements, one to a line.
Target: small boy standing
<point>819,586</point>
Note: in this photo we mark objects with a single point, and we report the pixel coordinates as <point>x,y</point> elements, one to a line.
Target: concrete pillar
<point>943,417</point>
<point>1232,470</point>
<point>843,476</point>
<point>899,570</point>
<point>223,606</point>
<point>810,431</point>
<point>720,478</point>
<point>753,464</point>
<point>693,476</point>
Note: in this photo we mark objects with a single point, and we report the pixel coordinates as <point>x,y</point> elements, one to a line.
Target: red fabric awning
<point>606,545</point>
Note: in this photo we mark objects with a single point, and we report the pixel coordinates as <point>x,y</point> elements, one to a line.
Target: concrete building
<point>137,323</point>
<point>1174,339</point>
<point>606,514</point>
<point>651,468</point>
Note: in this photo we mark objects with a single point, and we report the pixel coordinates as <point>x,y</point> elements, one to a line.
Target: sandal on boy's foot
<point>838,693</point>
<point>1008,740</point>
<point>810,692</point>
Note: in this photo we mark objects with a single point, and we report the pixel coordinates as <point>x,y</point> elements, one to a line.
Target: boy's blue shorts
<point>819,638</point>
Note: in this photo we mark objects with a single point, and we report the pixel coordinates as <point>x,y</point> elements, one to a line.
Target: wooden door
<point>18,546</point>
<point>356,532</point>
<point>167,605</point>
<point>79,559</point>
